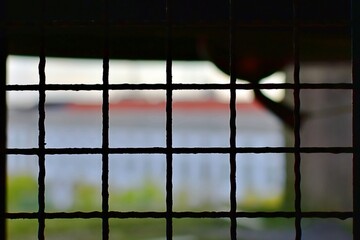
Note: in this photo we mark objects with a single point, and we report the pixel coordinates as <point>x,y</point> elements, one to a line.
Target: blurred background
<point>137,181</point>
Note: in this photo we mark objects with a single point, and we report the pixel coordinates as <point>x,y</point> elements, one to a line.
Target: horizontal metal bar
<point>175,86</point>
<point>176,150</point>
<point>339,215</point>
<point>86,215</point>
<point>207,214</point>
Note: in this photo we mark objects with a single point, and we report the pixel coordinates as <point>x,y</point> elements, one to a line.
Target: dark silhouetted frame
<point>233,214</point>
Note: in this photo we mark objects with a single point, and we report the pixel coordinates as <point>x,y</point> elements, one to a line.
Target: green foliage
<point>148,197</point>
<point>136,229</point>
<point>21,229</point>
<point>22,193</point>
<point>22,196</point>
<point>87,197</point>
<point>253,202</point>
<point>202,229</point>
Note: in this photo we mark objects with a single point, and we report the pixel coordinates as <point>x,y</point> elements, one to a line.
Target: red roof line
<point>209,105</point>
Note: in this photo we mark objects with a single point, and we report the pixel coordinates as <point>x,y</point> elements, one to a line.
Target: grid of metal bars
<point>233,214</point>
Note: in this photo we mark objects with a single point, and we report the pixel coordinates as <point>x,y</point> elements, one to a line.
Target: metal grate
<point>169,150</point>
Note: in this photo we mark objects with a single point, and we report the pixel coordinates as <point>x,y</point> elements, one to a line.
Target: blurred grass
<point>147,197</point>
<point>22,197</point>
<point>127,229</point>
<point>155,229</point>
<point>22,193</point>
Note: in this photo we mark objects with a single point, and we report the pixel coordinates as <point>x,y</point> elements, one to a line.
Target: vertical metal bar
<point>41,128</point>
<point>41,143</point>
<point>297,140</point>
<point>3,121</point>
<point>105,148</point>
<point>233,203</point>
<point>356,116</point>
<point>169,135</point>
<point>3,138</point>
<point>105,125</point>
